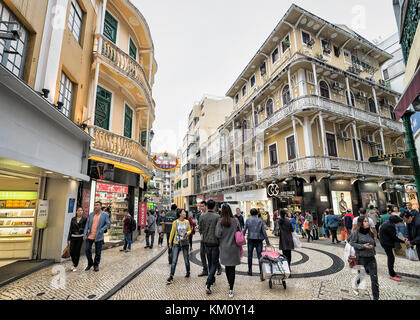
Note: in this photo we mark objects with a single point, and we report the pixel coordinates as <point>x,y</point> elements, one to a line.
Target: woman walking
<point>75,237</point>
<point>192,225</point>
<point>285,236</point>
<point>256,235</point>
<point>388,238</point>
<point>180,232</point>
<point>362,240</point>
<point>308,225</point>
<point>229,251</point>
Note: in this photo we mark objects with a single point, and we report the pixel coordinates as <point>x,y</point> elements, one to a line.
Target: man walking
<point>151,229</point>
<point>97,223</point>
<point>127,231</point>
<point>205,272</point>
<point>170,217</point>
<point>207,229</point>
<point>413,228</point>
<point>240,218</point>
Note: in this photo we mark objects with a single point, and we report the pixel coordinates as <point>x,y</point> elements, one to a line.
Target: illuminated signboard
<point>165,161</point>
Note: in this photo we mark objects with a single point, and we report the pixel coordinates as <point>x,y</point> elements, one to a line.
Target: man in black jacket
<point>170,217</point>
<point>388,238</point>
<point>413,228</point>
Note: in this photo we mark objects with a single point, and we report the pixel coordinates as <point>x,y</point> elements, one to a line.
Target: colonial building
<point>310,108</point>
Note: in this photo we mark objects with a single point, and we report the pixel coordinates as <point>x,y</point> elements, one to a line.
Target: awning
<point>410,94</point>
<point>120,165</point>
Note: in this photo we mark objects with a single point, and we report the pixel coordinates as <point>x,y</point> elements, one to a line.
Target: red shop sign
<point>105,187</point>
<point>142,214</point>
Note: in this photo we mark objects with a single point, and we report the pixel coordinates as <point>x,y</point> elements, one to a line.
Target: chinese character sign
<point>165,161</point>
<point>142,214</point>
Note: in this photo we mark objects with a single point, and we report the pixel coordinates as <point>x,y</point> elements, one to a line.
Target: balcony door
<point>128,122</point>
<point>110,27</point>
<point>332,146</point>
<point>103,108</point>
<point>291,151</point>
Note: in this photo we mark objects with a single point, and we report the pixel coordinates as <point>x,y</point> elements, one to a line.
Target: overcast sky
<point>201,46</point>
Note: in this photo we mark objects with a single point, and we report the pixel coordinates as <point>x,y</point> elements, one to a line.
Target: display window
<point>114,199</point>
<point>342,201</point>
<point>17,223</point>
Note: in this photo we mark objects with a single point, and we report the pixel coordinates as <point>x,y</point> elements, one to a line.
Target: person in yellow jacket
<point>180,232</point>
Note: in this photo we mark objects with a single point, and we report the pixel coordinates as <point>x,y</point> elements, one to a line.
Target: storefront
<point>286,195</point>
<point>246,200</point>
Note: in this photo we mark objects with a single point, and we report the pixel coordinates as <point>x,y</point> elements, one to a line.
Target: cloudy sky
<point>201,46</point>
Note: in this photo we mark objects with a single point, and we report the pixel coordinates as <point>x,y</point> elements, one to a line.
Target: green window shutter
<point>128,122</point>
<point>103,108</point>
<point>133,50</point>
<point>110,27</point>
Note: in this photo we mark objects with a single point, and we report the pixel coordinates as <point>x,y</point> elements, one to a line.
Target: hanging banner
<point>42,218</point>
<point>165,161</point>
<point>142,221</point>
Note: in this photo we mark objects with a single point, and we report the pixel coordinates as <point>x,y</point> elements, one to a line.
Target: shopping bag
<point>348,251</point>
<point>343,235</point>
<point>306,225</point>
<point>411,254</point>
<point>296,240</point>
<point>271,253</point>
<point>66,253</point>
<point>401,250</point>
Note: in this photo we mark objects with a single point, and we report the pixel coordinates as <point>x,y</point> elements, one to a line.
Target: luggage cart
<point>275,269</point>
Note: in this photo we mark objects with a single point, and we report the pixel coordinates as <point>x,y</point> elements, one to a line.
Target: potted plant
<point>286,42</point>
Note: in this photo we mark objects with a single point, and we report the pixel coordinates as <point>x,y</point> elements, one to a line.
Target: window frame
<point>344,56</point>
<point>301,37</point>
<point>130,41</point>
<point>242,90</point>
<point>111,109</point>
<point>288,48</point>
<point>282,96</point>
<point>265,69</point>
<point>286,139</point>
<point>116,32</point>
<point>236,98</point>
<point>132,120</point>
<point>328,87</point>
<point>269,154</point>
<point>272,108</point>
<point>63,95</point>
<point>331,134</point>
<point>71,28</point>
<point>250,81</point>
<point>278,55</point>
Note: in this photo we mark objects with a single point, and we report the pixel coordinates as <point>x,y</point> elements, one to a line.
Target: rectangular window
<point>386,74</point>
<point>310,77</point>
<point>236,98</point>
<point>263,69</point>
<point>326,46</point>
<point>252,81</point>
<point>75,19</point>
<point>128,121</point>
<point>306,37</point>
<point>103,108</point>
<point>291,152</point>
<point>132,50</point>
<point>285,44</point>
<point>65,94</point>
<point>238,169</point>
<point>275,55</point>
<point>332,147</point>
<point>244,91</point>
<point>12,52</point>
<point>185,183</point>
<point>347,56</point>
<point>143,138</point>
<point>110,27</point>
<point>272,150</point>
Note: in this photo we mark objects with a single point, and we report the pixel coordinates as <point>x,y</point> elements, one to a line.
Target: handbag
<point>66,252</point>
<point>296,240</point>
<point>353,259</point>
<point>272,253</point>
<point>239,236</point>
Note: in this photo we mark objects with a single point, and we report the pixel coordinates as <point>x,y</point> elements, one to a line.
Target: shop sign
<point>287,194</point>
<point>42,217</point>
<point>165,161</point>
<point>324,199</point>
<point>136,208</point>
<point>307,188</point>
<point>142,214</point>
<point>273,190</point>
<point>18,195</point>
<point>112,188</point>
<point>250,195</point>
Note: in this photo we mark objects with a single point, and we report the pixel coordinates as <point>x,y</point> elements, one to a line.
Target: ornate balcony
<point>325,164</point>
<point>120,149</point>
<point>323,104</point>
<point>123,63</point>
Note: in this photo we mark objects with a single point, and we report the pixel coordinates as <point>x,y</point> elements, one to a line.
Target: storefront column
<point>323,136</point>
<point>356,138</point>
<point>315,79</point>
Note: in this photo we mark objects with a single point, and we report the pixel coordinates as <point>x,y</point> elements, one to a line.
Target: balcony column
<point>375,99</point>
<point>348,91</point>
<point>295,137</point>
<point>315,79</point>
<point>290,84</point>
<point>147,132</point>
<point>307,136</point>
<point>357,141</point>
<point>323,136</point>
<point>302,83</point>
<point>252,117</point>
<point>381,133</point>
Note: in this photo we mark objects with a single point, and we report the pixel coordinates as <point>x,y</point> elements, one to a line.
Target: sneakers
<point>398,276</point>
<point>146,247</point>
<point>395,279</point>
<point>250,273</point>
<point>187,275</point>
<point>96,268</point>
<point>128,250</point>
<point>203,274</point>
<point>230,293</point>
<point>88,267</point>
<point>122,250</point>
<point>208,291</point>
<point>74,269</point>
<point>170,280</point>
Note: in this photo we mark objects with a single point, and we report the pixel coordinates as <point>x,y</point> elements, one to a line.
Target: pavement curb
<point>131,276</point>
<point>45,264</point>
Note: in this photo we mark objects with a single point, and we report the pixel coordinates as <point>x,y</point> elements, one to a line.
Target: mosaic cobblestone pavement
<point>317,268</point>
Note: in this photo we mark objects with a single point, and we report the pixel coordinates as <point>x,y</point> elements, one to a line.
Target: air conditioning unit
<point>343,135</point>
<point>337,86</point>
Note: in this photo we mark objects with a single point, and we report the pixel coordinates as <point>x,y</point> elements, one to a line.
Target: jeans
<point>334,234</point>
<point>230,275</point>
<point>160,239</point>
<point>75,246</point>
<point>213,259</point>
<point>391,260</point>
<point>288,254</point>
<point>169,249</point>
<point>150,234</point>
<point>175,253</point>
<point>98,250</point>
<point>203,257</point>
<point>258,245</point>
<point>308,232</point>
<point>315,233</point>
<point>190,240</point>
<point>127,241</point>
<point>369,263</point>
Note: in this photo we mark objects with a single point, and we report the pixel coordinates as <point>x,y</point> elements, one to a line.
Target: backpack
<point>133,225</point>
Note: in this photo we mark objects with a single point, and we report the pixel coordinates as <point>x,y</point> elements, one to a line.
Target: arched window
<point>269,107</point>
<point>324,90</point>
<point>371,105</point>
<point>285,94</point>
<point>352,99</point>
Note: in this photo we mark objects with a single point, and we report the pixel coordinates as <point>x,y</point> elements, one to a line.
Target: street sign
<point>403,171</point>
<point>385,157</point>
